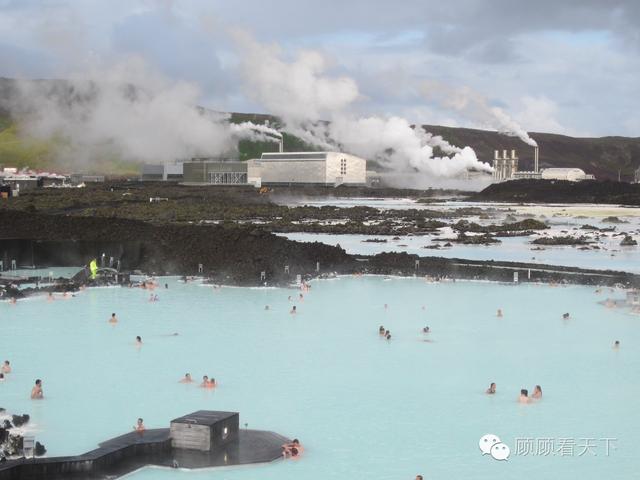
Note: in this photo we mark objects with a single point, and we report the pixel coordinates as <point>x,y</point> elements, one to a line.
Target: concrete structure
<point>162,172</point>
<point>78,178</point>
<point>215,172</point>
<point>570,174</point>
<point>308,168</point>
<point>504,166</point>
<point>636,176</point>
<point>204,430</point>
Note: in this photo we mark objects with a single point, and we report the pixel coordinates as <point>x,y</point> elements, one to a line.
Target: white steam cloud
<point>127,110</point>
<point>477,108</point>
<point>255,132</point>
<point>301,92</point>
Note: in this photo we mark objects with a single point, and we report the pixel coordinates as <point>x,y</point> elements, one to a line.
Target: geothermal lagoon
<point>363,406</point>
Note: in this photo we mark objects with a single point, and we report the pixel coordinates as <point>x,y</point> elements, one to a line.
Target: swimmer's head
<point>616,343</point>
<point>187,375</point>
<point>294,451</point>
<point>493,385</point>
<point>205,378</point>
<point>524,392</point>
<point>538,388</point>
<point>140,421</point>
<point>139,339</point>
<point>6,362</point>
<point>296,441</point>
<point>38,382</point>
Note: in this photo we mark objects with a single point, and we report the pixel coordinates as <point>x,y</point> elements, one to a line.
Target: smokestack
<point>535,160</point>
<point>281,145</point>
<point>505,154</point>
<point>513,155</point>
<point>496,154</point>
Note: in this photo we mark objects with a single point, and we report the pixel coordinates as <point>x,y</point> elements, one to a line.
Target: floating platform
<point>122,455</point>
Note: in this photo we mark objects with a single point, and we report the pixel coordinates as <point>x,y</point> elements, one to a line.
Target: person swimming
<point>386,307</point>
<point>293,310</point>
<point>426,329</point>
<point>187,378</point>
<point>381,331</point>
<point>499,313</point>
<point>492,389</point>
<point>212,383</point>
<point>205,382</point>
<point>36,391</point>
<point>266,307</point>
<point>524,396</point>
<point>288,449</point>
<point>139,426</point>
<point>1,377</point>
<point>138,341</point>
<point>616,344</point>
<point>537,392</point>
<point>388,335</point>
<point>565,316</point>
<point>6,367</point>
<point>113,318</point>
<point>50,297</point>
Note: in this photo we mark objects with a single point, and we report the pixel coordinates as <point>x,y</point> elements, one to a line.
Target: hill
<point>605,157</point>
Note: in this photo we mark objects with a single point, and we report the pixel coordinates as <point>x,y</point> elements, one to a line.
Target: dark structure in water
<point>198,440</point>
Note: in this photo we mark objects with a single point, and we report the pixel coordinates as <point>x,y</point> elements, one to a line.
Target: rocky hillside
<point>603,157</point>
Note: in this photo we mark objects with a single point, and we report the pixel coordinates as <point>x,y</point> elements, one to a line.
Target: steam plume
<point>301,91</point>
<point>477,108</point>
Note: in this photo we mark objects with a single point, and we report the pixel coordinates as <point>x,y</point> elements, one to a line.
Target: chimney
<point>535,160</point>
<point>513,155</point>
<point>281,145</point>
<point>496,154</point>
<point>505,154</point>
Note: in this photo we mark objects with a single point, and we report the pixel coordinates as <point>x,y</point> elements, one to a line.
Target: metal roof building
<point>307,168</point>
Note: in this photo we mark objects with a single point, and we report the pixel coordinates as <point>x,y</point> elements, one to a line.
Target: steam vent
<point>202,439</point>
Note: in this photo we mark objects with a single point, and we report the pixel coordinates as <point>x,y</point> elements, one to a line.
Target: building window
<point>343,166</point>
<point>227,178</point>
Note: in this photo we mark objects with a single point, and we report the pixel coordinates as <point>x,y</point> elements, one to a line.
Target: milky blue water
<point>364,407</point>
<point>514,249</point>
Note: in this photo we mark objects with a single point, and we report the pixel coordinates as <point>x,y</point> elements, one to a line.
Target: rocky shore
<point>240,255</point>
<point>557,191</point>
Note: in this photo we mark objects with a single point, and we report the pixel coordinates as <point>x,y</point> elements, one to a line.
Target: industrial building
<point>162,172</point>
<point>279,168</point>
<point>569,174</point>
<point>215,172</point>
<point>505,167</point>
<point>308,168</point>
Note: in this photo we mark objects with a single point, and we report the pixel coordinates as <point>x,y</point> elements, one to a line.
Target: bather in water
<point>36,391</point>
<point>537,392</point>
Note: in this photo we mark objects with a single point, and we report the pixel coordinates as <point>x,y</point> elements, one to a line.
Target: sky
<point>568,67</point>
